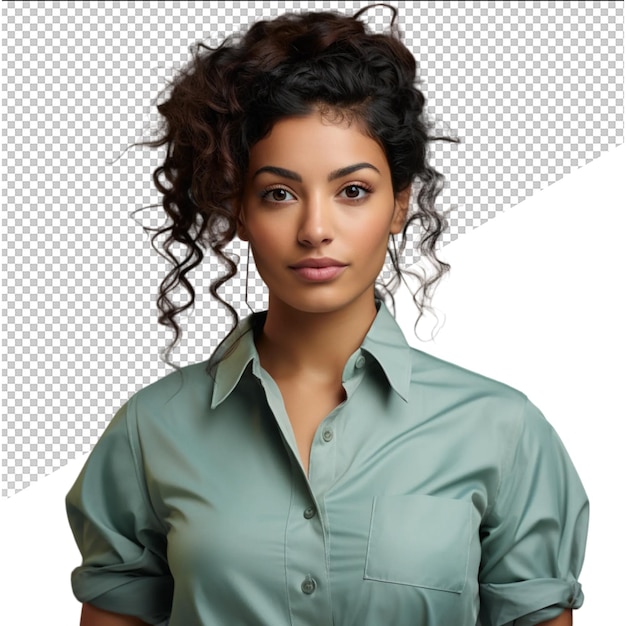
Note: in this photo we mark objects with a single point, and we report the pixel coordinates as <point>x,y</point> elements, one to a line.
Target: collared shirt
<point>435,497</point>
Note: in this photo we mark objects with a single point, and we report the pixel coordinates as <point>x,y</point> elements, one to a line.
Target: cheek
<point>270,245</point>
<point>371,236</point>
<point>266,233</point>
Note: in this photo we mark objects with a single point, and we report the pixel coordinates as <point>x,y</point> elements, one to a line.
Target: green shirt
<point>436,497</point>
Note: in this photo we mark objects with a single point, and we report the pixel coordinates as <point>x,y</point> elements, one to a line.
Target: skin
<point>91,616</point>
<point>313,327</point>
<point>336,203</point>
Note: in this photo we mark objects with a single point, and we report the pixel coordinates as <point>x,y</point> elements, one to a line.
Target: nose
<point>315,227</point>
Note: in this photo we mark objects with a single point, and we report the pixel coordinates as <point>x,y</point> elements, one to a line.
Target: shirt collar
<point>384,341</point>
<point>233,356</point>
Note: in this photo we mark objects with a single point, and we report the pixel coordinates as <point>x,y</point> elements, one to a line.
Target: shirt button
<point>360,362</point>
<point>327,435</point>
<point>309,585</point>
<point>309,513</point>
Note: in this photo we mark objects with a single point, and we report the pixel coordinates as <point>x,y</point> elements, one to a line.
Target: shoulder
<point>444,387</point>
<point>182,396</point>
<point>167,417</point>
<point>177,389</point>
<point>428,371</point>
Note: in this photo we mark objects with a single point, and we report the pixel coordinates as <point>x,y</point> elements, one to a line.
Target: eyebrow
<point>339,173</point>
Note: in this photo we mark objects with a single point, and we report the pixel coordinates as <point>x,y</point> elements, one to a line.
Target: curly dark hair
<point>228,98</point>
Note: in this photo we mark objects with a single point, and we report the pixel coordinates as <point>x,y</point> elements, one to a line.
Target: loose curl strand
<point>228,98</point>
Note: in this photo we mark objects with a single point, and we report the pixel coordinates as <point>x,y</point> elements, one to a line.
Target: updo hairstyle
<point>228,98</point>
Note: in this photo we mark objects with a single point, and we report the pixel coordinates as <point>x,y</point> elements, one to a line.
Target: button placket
<point>322,458</point>
<point>306,553</point>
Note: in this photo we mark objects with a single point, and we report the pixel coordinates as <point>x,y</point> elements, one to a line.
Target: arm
<point>92,616</point>
<point>565,619</point>
<point>533,540</point>
<point>122,541</point>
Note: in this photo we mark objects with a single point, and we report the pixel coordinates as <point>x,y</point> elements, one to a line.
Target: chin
<point>319,301</point>
<point>322,305</point>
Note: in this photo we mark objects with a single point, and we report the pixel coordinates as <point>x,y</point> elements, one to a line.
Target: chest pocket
<point>419,540</point>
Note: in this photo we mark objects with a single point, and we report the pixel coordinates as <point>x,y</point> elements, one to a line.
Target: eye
<point>276,194</point>
<point>356,192</point>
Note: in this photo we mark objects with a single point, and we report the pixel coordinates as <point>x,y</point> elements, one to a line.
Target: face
<point>317,209</point>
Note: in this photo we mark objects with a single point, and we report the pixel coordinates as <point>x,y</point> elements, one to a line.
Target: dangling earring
<point>247,274</point>
<point>393,243</point>
<point>396,276</point>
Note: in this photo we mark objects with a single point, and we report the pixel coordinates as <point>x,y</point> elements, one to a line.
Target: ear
<point>242,231</point>
<point>400,210</point>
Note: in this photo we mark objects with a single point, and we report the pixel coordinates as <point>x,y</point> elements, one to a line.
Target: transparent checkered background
<point>533,89</point>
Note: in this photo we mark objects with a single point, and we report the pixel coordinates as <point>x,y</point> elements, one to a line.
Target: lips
<point>321,262</point>
<point>318,270</point>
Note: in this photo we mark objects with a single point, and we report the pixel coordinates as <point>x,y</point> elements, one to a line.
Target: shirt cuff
<point>147,597</point>
<point>528,602</point>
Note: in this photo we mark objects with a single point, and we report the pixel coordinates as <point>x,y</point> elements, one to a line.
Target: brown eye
<point>355,192</point>
<point>276,195</point>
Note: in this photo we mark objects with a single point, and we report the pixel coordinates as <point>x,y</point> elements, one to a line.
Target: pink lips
<point>318,270</point>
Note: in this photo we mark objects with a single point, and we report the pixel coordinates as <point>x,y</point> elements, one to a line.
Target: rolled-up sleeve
<point>122,542</point>
<point>533,538</point>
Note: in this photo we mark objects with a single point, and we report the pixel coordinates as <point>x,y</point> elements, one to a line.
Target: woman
<point>317,470</point>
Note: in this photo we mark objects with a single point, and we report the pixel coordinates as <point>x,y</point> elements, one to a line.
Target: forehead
<point>317,141</point>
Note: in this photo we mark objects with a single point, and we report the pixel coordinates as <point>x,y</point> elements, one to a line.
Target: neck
<point>294,342</point>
